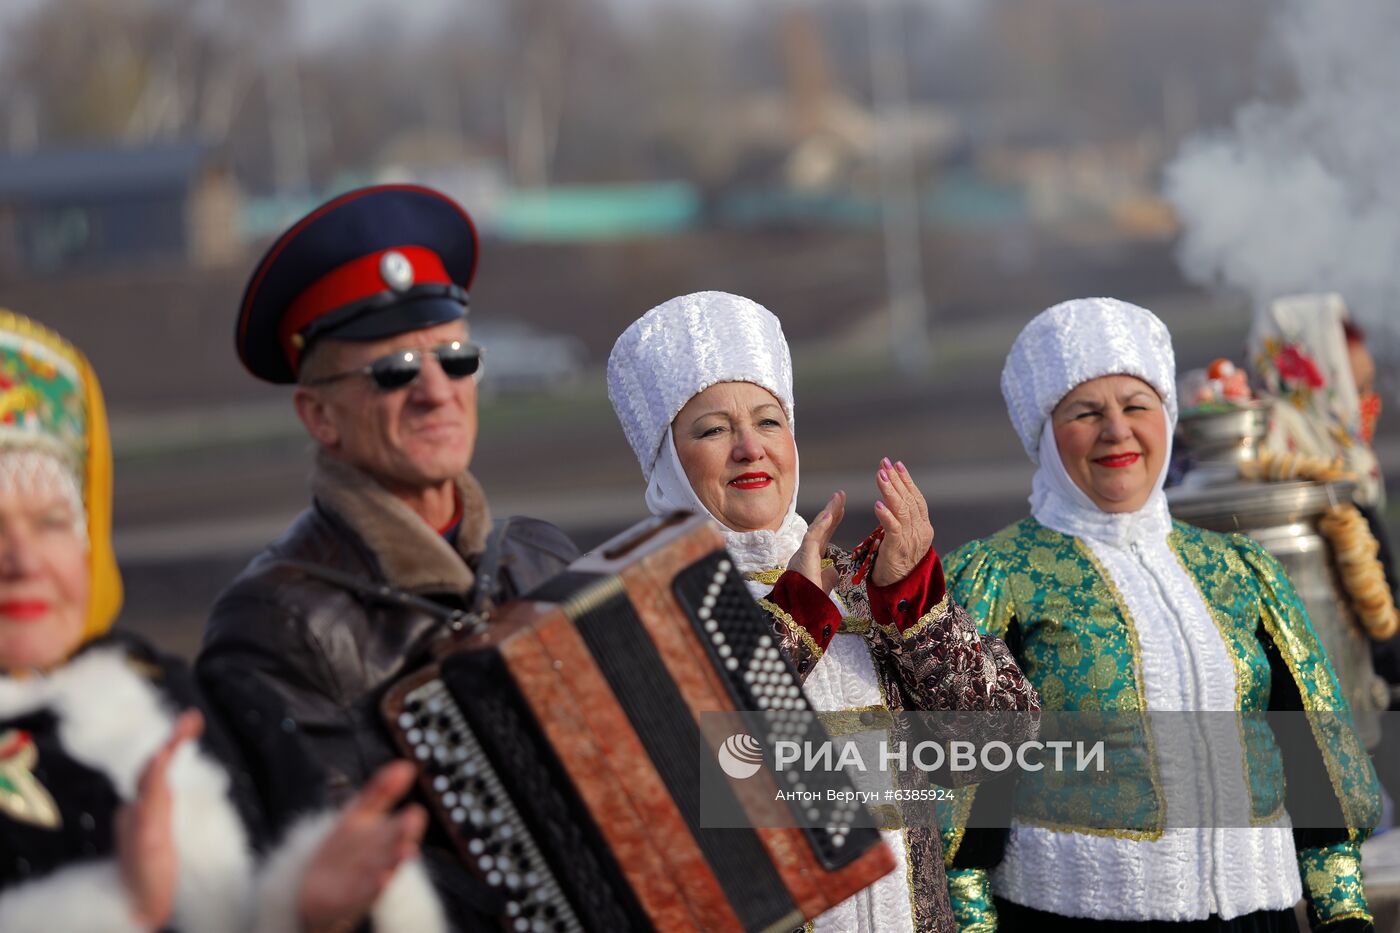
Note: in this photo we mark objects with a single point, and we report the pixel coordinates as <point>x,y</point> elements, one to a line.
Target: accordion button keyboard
<point>739,637</point>
<point>467,789</point>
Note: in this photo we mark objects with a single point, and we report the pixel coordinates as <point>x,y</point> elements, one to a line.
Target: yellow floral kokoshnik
<point>41,392</point>
<point>50,400</point>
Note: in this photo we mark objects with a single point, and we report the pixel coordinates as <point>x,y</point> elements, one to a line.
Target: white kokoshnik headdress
<point>1076,341</point>
<point>682,347</point>
<point>671,354</point>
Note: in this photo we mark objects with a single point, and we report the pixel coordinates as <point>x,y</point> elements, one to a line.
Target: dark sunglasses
<point>458,360</point>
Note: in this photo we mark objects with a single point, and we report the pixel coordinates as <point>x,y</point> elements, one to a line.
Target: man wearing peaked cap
<point>362,305</point>
<point>373,263</point>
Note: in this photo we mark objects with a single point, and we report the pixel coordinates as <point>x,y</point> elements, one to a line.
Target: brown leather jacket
<point>294,664</point>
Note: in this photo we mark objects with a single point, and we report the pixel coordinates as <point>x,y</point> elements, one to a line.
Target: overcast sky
<point>325,21</point>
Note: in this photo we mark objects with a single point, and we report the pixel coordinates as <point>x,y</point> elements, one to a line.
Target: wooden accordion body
<point>561,749</point>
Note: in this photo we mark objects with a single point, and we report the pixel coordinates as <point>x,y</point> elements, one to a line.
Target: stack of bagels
<point>1362,575</point>
<point>1272,466</point>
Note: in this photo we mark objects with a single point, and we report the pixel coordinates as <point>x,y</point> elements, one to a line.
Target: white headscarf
<point>671,354</point>
<point>1061,348</point>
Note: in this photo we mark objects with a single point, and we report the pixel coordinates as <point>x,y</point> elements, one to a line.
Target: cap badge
<point>396,271</point>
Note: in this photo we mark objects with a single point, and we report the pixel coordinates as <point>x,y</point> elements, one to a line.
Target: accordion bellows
<point>562,750</point>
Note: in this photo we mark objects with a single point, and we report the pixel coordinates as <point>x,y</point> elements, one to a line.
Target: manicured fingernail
<point>886,463</point>
<point>901,467</point>
<point>879,506</point>
<point>884,477</point>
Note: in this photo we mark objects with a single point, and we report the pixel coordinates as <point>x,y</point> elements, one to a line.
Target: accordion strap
<point>459,621</point>
<point>488,571</point>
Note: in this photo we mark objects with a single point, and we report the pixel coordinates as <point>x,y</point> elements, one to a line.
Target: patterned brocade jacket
<point>1050,598</point>
<point>920,651</point>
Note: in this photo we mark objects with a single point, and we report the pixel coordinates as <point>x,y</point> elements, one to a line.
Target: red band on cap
<point>355,281</point>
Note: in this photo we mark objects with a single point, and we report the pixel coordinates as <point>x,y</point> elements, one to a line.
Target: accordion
<point>562,749</point>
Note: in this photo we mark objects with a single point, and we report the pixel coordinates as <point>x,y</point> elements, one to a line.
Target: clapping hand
<point>903,513</point>
<point>359,857</point>
<point>145,838</point>
<point>807,560</point>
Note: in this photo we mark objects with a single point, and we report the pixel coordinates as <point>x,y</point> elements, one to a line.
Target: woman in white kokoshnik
<point>1115,607</point>
<point>703,387</point>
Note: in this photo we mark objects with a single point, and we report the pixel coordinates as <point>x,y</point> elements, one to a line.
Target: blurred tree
<point>76,63</point>
<point>132,70</point>
<point>595,90</point>
<point>534,101</point>
<point>693,94</point>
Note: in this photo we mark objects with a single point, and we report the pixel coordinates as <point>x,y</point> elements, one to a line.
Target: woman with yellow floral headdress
<point>111,817</point>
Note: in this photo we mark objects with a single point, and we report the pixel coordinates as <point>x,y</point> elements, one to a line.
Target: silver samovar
<point>1283,517</point>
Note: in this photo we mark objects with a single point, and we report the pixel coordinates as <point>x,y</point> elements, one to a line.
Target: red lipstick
<point>24,610</point>
<point>751,481</point>
<point>1118,461</point>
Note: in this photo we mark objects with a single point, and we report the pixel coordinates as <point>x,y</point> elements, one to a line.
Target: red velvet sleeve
<point>904,602</point>
<point>808,606</point>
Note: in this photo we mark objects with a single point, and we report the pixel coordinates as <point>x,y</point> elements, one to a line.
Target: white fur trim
<point>86,898</point>
<point>1076,341</point>
<point>408,905</point>
<point>113,720</point>
<point>279,879</point>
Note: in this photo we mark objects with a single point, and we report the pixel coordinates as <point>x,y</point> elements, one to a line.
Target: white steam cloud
<point>1305,196</point>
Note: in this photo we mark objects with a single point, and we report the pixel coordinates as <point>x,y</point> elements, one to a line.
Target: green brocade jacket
<point>1048,597</point>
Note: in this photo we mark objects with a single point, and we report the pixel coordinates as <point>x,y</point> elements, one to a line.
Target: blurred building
<point>101,207</point>
<point>1108,183</point>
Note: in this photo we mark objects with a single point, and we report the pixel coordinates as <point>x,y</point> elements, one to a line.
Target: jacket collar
<point>411,554</point>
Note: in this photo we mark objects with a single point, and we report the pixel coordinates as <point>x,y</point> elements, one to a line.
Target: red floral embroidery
<point>1370,414</point>
<point>1295,367</point>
